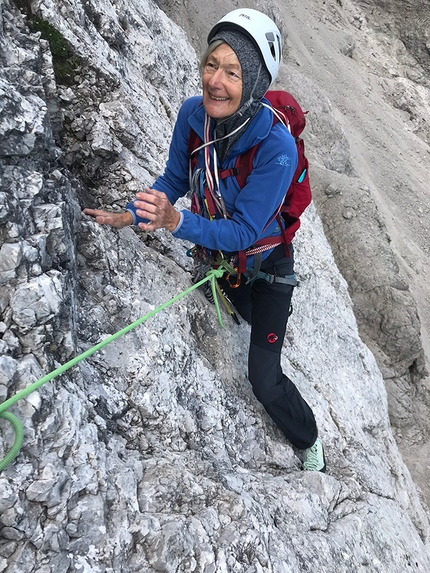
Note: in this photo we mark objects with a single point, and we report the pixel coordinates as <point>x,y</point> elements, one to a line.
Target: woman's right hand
<point>117,220</point>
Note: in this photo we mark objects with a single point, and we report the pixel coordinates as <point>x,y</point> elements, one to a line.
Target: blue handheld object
<point>302,176</point>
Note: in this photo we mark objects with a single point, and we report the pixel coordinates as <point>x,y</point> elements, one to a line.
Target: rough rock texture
<point>154,455</point>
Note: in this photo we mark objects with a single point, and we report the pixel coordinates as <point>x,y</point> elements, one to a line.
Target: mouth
<point>218,98</point>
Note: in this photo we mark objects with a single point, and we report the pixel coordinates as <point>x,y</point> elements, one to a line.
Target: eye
<point>210,66</point>
<point>234,76</point>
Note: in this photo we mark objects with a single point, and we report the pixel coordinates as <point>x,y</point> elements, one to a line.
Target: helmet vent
<point>271,40</point>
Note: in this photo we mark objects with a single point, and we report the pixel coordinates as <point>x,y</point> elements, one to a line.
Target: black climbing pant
<point>267,307</point>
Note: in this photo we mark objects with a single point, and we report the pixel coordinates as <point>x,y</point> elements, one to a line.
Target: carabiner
<point>237,283</point>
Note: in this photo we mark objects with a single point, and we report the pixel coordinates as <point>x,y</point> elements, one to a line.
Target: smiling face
<point>222,83</point>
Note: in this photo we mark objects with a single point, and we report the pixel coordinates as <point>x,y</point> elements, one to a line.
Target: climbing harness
<point>204,260</point>
<point>285,280</point>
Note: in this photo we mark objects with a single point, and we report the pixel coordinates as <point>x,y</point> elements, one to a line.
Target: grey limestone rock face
<point>153,454</point>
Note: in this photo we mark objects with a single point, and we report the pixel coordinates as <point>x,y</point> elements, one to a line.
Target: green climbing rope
<point>19,436</point>
<point>212,275</point>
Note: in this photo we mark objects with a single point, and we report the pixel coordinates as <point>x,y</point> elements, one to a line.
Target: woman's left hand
<point>155,206</point>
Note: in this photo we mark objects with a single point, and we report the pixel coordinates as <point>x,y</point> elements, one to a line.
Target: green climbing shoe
<point>313,459</point>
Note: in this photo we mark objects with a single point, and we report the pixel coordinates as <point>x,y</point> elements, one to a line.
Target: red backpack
<point>298,196</point>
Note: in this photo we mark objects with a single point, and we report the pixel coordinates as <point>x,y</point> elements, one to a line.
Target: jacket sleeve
<point>174,180</point>
<point>255,206</point>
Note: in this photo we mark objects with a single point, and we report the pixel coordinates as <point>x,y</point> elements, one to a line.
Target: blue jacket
<point>252,207</point>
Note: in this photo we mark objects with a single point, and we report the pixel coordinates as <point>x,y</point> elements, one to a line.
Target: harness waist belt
<point>286,280</point>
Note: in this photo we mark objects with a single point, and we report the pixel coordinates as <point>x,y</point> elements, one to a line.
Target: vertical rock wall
<point>154,455</point>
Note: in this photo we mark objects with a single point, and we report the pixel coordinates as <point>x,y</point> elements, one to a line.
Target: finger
<point>154,192</point>
<point>145,210</point>
<point>145,206</point>
<point>150,195</point>
<point>147,226</point>
<point>96,213</point>
<point>142,214</point>
<point>150,226</point>
<point>90,212</point>
<point>102,220</point>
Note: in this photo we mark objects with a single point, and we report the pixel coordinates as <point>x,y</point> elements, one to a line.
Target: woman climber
<point>232,116</point>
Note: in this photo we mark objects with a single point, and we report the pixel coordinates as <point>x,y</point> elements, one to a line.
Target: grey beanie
<point>255,77</point>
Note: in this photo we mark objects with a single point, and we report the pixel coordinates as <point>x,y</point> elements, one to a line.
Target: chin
<point>216,111</point>
<point>216,115</point>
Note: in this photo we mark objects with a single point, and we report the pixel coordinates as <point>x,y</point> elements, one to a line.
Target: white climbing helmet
<point>261,29</point>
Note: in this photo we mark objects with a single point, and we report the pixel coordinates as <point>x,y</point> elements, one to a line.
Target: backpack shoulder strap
<point>244,165</point>
<point>194,142</point>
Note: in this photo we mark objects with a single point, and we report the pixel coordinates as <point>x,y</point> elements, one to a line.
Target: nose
<point>216,78</point>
